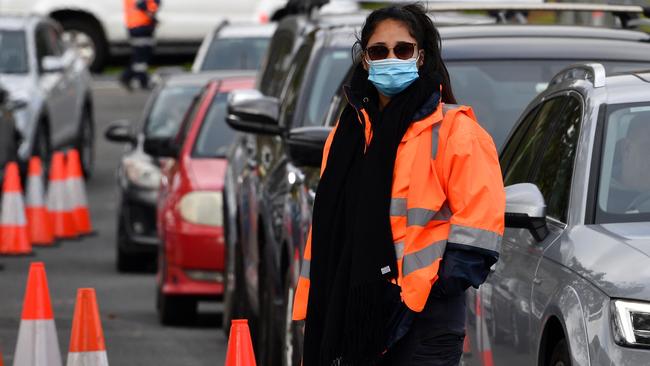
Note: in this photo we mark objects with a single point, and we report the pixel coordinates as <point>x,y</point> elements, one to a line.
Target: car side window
<point>293,84</point>
<point>554,172</point>
<point>524,157</point>
<point>513,143</point>
<point>42,44</point>
<point>280,49</point>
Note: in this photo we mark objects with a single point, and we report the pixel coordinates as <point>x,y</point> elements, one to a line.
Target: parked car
<point>37,67</point>
<point>7,128</point>
<point>190,204</point>
<point>234,47</point>
<point>138,173</point>
<point>258,260</point>
<point>495,68</point>
<point>577,226</point>
<point>97,27</point>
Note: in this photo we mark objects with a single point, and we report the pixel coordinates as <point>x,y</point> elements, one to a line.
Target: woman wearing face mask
<point>408,213</point>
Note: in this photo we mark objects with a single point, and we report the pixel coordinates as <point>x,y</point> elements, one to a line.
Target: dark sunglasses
<point>402,50</point>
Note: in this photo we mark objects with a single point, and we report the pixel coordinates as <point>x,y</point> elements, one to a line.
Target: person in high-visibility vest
<point>140,18</point>
<point>409,212</point>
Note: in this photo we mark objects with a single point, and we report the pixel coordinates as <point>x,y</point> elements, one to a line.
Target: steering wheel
<point>639,201</point>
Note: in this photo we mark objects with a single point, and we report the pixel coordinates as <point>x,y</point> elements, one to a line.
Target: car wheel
<point>175,310</point>
<point>233,307</point>
<point>292,331</point>
<point>560,355</point>
<point>124,261</point>
<point>86,142</point>
<point>42,147</point>
<point>88,38</point>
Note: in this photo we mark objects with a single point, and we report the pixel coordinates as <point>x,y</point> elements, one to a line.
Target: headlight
<point>631,323</point>
<point>142,173</point>
<point>204,208</point>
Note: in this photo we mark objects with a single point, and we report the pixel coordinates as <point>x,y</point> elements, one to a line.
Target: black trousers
<point>435,338</point>
<point>142,42</point>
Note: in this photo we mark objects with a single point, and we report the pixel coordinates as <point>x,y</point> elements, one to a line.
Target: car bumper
<point>139,220</point>
<point>194,261</point>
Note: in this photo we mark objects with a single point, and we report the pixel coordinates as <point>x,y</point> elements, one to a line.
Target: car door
<point>52,84</point>
<point>502,307</point>
<point>71,82</point>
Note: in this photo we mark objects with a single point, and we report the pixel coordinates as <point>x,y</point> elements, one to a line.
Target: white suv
<point>97,26</point>
<point>52,82</point>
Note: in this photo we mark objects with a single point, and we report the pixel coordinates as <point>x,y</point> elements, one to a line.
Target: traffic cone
<point>483,343</point>
<point>39,220</point>
<point>240,347</point>
<point>14,237</point>
<point>87,346</point>
<point>77,192</point>
<point>58,202</point>
<point>37,344</point>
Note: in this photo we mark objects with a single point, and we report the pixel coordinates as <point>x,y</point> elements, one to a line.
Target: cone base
<point>40,226</point>
<point>82,221</point>
<point>14,240</point>
<point>64,225</point>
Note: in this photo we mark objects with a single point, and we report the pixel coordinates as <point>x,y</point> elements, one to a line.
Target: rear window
<point>168,110</point>
<point>235,54</point>
<point>624,182</point>
<point>214,136</point>
<point>499,90</point>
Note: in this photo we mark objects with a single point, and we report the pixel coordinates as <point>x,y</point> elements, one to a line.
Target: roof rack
<point>625,13</point>
<point>593,72</point>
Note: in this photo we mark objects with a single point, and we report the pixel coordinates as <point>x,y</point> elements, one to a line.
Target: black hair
<point>421,27</point>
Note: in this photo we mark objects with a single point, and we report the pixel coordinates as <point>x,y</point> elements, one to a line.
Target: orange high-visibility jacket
<point>447,187</point>
<point>135,17</point>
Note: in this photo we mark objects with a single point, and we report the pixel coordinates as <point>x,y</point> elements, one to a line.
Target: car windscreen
<point>13,52</point>
<point>235,54</point>
<point>499,90</point>
<point>624,181</point>
<point>214,136</point>
<point>331,68</point>
<point>168,110</point>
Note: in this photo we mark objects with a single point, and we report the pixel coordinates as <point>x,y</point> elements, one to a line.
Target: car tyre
<point>42,147</point>
<point>560,355</point>
<point>233,307</point>
<point>175,310</point>
<point>93,34</point>
<point>86,142</point>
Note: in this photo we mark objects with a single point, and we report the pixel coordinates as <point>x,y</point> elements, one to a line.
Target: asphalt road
<point>126,301</point>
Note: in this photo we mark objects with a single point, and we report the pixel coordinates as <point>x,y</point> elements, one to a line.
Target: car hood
<point>207,174</point>
<point>614,257</point>
<point>18,86</point>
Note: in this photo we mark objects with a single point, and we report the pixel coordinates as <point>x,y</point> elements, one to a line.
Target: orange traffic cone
<point>14,237</point>
<point>58,202</point>
<point>483,343</point>
<point>77,192</point>
<point>1,361</point>
<point>39,221</point>
<point>87,346</point>
<point>240,346</point>
<point>37,340</point>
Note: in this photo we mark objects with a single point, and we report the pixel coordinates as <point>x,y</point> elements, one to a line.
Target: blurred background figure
<point>140,17</point>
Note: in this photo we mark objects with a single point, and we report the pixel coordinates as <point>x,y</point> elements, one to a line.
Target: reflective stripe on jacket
<point>138,13</point>
<point>447,187</point>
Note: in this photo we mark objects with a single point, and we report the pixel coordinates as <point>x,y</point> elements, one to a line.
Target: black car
<point>497,69</point>
<point>138,174</point>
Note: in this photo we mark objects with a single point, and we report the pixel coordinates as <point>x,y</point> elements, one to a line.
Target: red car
<point>190,212</point>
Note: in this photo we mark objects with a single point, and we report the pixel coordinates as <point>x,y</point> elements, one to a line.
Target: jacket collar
<point>429,114</point>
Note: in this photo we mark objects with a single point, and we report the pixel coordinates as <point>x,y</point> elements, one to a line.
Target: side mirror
<point>251,111</point>
<point>120,131</point>
<point>161,147</point>
<point>525,209</point>
<point>305,145</point>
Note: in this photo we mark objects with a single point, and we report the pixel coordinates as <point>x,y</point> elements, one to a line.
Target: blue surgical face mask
<point>392,75</point>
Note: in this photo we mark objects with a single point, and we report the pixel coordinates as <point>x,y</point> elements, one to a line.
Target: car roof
<point>543,42</point>
<point>202,78</point>
<point>246,30</point>
<point>629,87</point>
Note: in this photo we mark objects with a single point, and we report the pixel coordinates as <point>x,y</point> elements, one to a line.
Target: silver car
<point>572,286</point>
<point>36,67</point>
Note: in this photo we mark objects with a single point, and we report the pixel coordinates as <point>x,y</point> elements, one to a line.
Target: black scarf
<point>351,296</point>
